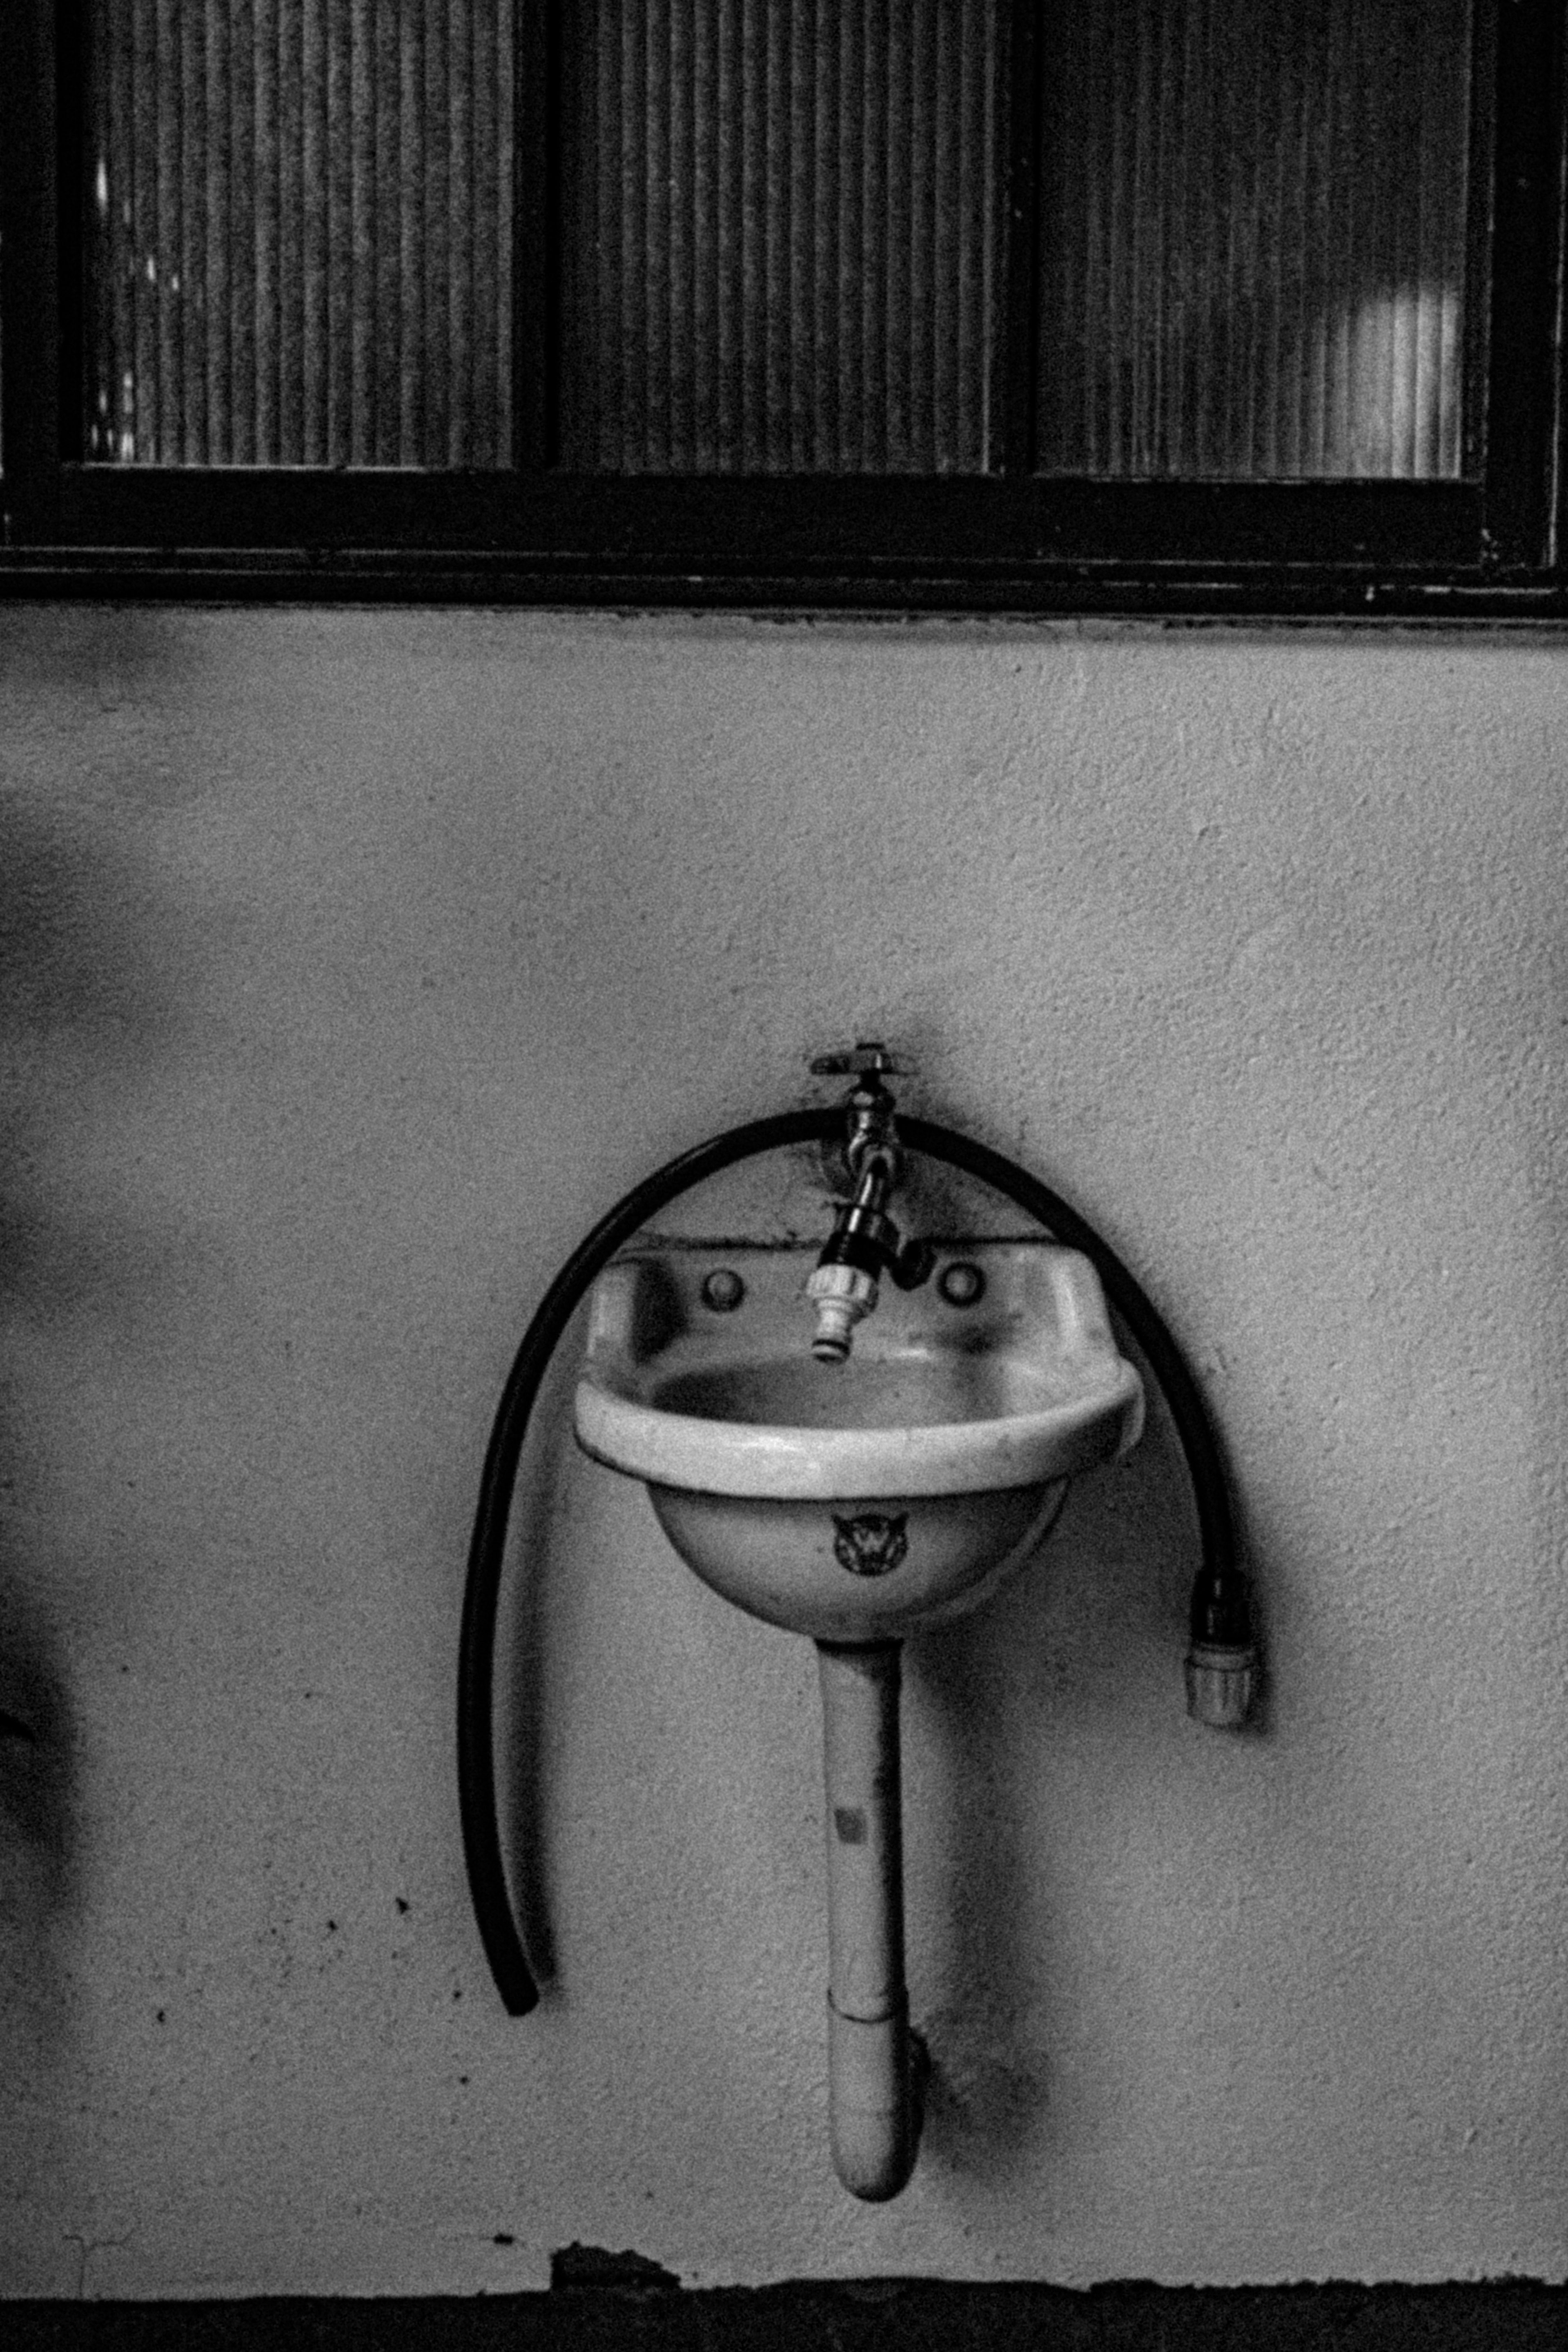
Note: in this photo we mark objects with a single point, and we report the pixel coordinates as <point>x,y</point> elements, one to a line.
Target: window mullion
<point>1522,361</point>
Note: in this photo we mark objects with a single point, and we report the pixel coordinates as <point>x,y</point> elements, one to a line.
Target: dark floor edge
<point>859,2316</point>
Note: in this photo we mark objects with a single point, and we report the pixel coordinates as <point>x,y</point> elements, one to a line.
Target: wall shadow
<point>91,959</point>
<point>523,1680</point>
<point>1093,1628</point>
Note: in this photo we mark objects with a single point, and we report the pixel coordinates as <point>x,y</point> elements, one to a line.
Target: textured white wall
<point>356,963</point>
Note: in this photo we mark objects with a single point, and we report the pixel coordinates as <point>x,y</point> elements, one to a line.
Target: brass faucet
<point>865,1242</point>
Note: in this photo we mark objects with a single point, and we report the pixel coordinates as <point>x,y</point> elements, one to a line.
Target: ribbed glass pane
<point>299,232</point>
<point>1254,238</point>
<point>782,235</point>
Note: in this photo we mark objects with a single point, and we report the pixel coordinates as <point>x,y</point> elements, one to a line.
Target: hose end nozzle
<point>1221,1685</point>
<point>1222,1663</point>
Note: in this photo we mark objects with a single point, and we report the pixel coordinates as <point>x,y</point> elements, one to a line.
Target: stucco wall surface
<point>354,964</point>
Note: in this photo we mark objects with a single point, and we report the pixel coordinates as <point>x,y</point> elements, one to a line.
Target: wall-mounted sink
<point>854,1502</point>
<point>854,1437</point>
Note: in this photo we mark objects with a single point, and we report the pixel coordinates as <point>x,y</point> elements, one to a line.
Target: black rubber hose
<point>1218,1577</point>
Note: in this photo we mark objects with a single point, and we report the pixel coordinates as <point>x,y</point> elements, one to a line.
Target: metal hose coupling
<point>865,1242</point>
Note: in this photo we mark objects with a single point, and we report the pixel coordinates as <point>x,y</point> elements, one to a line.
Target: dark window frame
<point>1013,540</point>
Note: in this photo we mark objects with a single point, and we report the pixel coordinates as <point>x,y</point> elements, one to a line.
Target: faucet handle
<point>867,1058</point>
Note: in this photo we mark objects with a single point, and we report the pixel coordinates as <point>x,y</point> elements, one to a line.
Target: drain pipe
<point>873,2095</point>
<point>1221,1666</point>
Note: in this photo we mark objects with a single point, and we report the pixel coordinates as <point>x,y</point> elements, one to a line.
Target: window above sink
<point>1143,305</point>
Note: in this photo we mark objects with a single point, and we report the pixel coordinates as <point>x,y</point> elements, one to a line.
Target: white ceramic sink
<point>854,1503</point>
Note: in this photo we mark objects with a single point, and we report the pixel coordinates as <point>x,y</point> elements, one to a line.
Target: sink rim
<point>769,1459</point>
<point>619,1423</point>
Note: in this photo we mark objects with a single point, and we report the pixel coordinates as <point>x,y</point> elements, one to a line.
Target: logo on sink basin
<point>872,1545</point>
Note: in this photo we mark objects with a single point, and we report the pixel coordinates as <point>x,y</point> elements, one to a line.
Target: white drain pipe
<point>873,2093</point>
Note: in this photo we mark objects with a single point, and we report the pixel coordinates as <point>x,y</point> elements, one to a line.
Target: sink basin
<point>854,1503</point>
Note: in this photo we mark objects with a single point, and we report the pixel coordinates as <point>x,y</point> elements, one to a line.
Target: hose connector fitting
<point>843,1295</point>
<point>1222,1663</point>
<point>865,1242</point>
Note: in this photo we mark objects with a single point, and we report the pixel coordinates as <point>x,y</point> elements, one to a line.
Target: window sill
<point>884,586</point>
